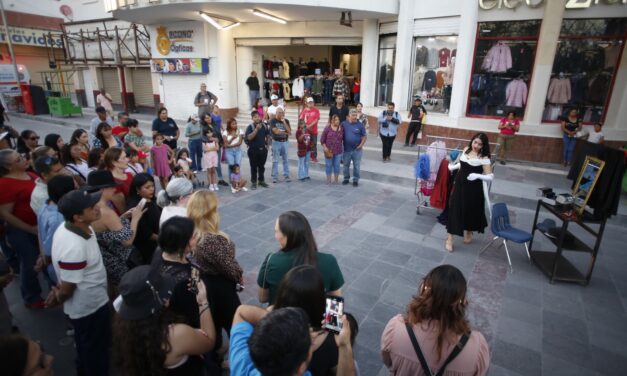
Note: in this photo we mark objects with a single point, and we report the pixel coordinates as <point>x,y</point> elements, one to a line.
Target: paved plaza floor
<point>384,249</point>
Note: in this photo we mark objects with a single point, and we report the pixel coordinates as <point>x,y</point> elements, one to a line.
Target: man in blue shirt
<point>279,343</point>
<point>354,140</point>
<point>388,126</point>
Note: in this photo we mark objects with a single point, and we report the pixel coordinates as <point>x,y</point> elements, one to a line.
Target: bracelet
<point>205,304</point>
<point>203,310</point>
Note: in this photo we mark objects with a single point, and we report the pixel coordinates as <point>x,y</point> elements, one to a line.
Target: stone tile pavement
<point>384,249</point>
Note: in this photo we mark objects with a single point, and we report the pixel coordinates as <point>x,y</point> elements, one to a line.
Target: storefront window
<point>387,54</point>
<point>502,67</point>
<point>584,68</point>
<point>433,71</point>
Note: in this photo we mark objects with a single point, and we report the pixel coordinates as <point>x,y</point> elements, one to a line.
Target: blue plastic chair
<point>501,228</point>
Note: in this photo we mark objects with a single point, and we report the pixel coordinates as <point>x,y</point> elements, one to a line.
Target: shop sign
<point>174,41</point>
<point>180,66</point>
<point>570,4</point>
<point>30,37</point>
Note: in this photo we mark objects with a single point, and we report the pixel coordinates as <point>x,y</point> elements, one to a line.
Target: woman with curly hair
<point>81,137</point>
<point>146,341</point>
<point>435,327</point>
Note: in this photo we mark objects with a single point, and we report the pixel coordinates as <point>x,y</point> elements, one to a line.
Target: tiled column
<point>545,54</point>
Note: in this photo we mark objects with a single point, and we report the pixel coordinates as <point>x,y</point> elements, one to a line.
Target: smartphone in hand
<point>333,314</point>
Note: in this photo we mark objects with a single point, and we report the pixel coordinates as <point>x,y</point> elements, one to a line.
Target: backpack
<point>250,126</point>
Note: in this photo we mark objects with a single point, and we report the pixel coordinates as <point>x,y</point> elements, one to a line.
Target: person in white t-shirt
<point>595,135</point>
<point>273,107</point>
<point>82,286</point>
<point>104,99</point>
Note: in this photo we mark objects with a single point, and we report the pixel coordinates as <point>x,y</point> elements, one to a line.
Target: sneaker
<point>37,304</point>
<point>503,162</point>
<point>406,145</point>
<point>263,184</point>
<point>307,178</point>
<point>253,186</point>
<point>211,188</point>
<point>287,179</point>
<point>314,160</point>
<point>223,183</point>
<point>233,190</point>
<point>244,189</point>
<point>345,182</point>
<point>215,187</point>
<point>274,180</point>
<point>355,184</point>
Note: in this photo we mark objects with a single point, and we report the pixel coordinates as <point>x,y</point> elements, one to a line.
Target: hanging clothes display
<point>579,88</point>
<point>516,93</point>
<point>439,79</point>
<point>439,195</point>
<point>433,60</point>
<point>422,56</point>
<point>498,59</point>
<point>286,70</point>
<point>429,81</point>
<point>522,57</point>
<point>599,88</point>
<point>419,77</point>
<point>443,56</point>
<point>559,91</point>
<point>298,87</point>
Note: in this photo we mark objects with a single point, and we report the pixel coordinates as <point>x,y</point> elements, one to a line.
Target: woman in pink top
<point>508,126</point>
<point>436,320</point>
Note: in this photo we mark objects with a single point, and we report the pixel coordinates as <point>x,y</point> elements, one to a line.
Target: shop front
<point>472,64</point>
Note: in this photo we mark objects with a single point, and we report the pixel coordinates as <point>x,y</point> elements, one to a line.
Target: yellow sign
<point>163,42</point>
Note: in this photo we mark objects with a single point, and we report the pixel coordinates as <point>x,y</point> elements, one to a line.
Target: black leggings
<point>413,129</point>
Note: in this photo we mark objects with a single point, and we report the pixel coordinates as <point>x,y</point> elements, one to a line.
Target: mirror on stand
<point>588,176</point>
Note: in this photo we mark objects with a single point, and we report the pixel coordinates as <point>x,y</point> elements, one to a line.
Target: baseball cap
<point>193,117</point>
<point>273,97</point>
<point>99,179</point>
<point>417,99</point>
<point>310,99</point>
<point>144,292</point>
<point>73,203</point>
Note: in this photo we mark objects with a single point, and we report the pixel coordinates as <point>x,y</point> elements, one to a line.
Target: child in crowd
<point>161,156</point>
<point>134,166</point>
<point>95,158</point>
<point>210,160</point>
<point>237,183</point>
<point>135,138</point>
<point>304,150</point>
<point>183,160</point>
<point>177,172</point>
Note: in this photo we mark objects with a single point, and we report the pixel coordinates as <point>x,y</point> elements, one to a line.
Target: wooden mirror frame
<point>588,161</point>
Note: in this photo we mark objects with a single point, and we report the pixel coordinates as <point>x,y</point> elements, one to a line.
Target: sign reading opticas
<point>570,4</point>
<point>30,37</point>
<point>174,41</point>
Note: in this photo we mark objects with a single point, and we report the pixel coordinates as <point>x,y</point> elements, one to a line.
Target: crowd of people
<point>129,243</point>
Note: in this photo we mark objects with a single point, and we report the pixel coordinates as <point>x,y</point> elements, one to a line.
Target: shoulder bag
<point>423,362</point>
<point>264,292</point>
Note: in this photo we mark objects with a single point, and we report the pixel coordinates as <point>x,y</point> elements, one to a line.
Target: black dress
<point>467,204</point>
<point>148,225</point>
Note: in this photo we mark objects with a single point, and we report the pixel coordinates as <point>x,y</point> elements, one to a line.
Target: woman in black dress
<point>467,201</point>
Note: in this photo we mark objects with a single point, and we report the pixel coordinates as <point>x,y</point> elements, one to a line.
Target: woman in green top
<point>193,132</point>
<point>298,247</point>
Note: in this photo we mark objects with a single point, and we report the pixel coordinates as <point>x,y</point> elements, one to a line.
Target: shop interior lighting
<point>268,16</point>
<point>212,20</point>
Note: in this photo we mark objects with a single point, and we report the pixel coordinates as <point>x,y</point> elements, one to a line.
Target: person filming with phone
<point>388,126</point>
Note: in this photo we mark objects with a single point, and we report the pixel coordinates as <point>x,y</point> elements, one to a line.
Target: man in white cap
<point>311,115</point>
<point>273,107</point>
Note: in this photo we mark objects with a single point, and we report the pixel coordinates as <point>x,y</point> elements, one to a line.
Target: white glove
<point>452,167</point>
<point>484,177</point>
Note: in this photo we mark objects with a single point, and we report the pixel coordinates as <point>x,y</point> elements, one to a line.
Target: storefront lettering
<point>570,4</point>
<point>175,41</point>
<point>30,37</point>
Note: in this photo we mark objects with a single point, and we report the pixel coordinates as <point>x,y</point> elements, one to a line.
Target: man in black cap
<point>101,117</point>
<point>82,286</point>
<point>416,112</point>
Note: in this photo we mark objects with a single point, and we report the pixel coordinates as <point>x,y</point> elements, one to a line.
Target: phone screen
<point>333,314</point>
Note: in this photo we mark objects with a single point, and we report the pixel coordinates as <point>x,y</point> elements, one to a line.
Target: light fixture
<point>346,19</point>
<point>267,16</point>
<point>210,18</point>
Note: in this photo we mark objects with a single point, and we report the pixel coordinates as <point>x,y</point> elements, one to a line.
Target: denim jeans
<point>332,165</point>
<point>355,157</point>
<point>92,335</point>
<point>27,250</point>
<point>195,153</point>
<point>253,95</point>
<point>569,146</point>
<point>279,149</point>
<point>303,166</point>
<point>219,166</point>
<point>234,156</point>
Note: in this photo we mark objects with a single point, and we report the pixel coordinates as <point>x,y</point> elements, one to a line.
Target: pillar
<point>227,90</point>
<point>369,50</point>
<point>543,66</point>
<point>245,58</point>
<point>469,15</point>
<point>402,63</point>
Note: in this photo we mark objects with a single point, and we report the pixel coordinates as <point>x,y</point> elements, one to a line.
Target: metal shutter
<point>437,26</point>
<point>142,87</point>
<point>111,83</point>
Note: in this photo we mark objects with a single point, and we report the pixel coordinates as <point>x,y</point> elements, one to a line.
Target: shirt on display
<point>429,81</point>
<point>559,91</point>
<point>522,57</point>
<point>422,56</point>
<point>444,56</point>
<point>498,59</point>
<point>516,93</point>
<point>433,60</point>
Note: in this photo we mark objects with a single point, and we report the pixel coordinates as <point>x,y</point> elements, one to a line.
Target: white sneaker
<point>244,189</point>
<point>233,190</point>
<point>211,187</point>
<point>216,188</point>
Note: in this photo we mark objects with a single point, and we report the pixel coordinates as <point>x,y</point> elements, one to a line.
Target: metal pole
<point>6,32</point>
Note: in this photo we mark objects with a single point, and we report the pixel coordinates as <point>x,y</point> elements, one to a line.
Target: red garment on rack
<point>440,190</point>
